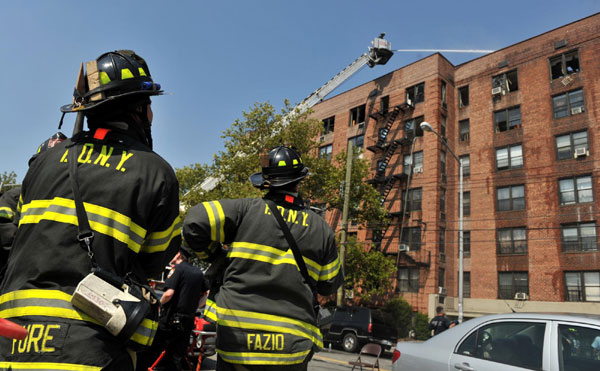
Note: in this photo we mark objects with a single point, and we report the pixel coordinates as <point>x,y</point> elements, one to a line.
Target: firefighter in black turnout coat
<point>130,195</point>
<point>264,309</point>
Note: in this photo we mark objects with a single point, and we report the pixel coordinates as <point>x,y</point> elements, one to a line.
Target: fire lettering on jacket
<point>265,342</point>
<point>100,158</point>
<point>290,215</point>
<point>38,340</point>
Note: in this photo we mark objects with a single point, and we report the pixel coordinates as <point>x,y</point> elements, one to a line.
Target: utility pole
<point>340,292</point>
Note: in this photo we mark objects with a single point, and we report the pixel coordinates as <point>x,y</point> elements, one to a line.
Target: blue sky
<point>218,58</point>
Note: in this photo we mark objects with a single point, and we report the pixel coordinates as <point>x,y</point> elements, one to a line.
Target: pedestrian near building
<point>184,287</point>
<point>107,177</point>
<point>265,308</point>
<point>440,323</point>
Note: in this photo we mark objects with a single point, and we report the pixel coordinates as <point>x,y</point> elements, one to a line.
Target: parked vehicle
<point>352,327</point>
<point>508,342</point>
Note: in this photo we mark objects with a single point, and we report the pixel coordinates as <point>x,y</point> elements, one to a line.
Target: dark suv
<point>352,327</point>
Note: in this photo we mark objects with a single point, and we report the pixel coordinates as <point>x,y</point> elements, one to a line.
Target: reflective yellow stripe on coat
<point>17,366</point>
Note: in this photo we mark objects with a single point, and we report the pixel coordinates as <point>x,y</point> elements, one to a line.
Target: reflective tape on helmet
<point>141,71</point>
<point>282,163</point>
<point>126,74</point>
<point>104,79</point>
<point>295,162</point>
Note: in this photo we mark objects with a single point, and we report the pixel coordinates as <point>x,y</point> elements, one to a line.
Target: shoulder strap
<point>293,246</point>
<point>85,235</point>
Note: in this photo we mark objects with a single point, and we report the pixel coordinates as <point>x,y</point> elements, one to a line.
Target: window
<point>442,240</point>
<point>443,127</point>
<point>463,96</point>
<point>507,81</point>
<point>325,151</point>
<point>566,104</point>
<point>578,346</point>
<point>466,284</point>
<point>517,343</point>
<point>357,141</point>
<point>463,130</point>
<point>512,241</point>
<point>466,243</point>
<point>465,161</point>
<point>576,190</point>
<point>328,125</point>
<point>384,105</point>
<point>510,283</point>
<point>412,128</point>
<point>582,286</point>
<point>507,119</point>
<point>408,280</point>
<point>411,236</point>
<point>579,237</point>
<point>511,198</point>
<point>510,157</point>
<point>564,64</point>
<point>415,94</point>
<point>441,277</point>
<point>443,88</point>
<point>443,162</point>
<point>466,203</point>
<point>414,199</point>
<point>418,160</point>
<point>567,144</point>
<point>381,166</point>
<point>443,201</point>
<point>357,115</point>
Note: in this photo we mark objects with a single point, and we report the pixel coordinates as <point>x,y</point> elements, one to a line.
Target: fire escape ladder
<point>388,126</point>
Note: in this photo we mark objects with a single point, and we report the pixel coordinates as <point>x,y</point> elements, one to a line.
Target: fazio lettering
<point>270,342</point>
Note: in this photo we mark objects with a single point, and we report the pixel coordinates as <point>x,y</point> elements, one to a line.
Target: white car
<point>508,342</point>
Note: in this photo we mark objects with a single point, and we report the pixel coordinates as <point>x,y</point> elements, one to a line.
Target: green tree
<point>7,180</point>
<point>421,327</point>
<point>369,270</point>
<point>402,314</point>
<point>262,128</point>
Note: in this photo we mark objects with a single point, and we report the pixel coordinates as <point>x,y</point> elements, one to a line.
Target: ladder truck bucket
<point>380,52</point>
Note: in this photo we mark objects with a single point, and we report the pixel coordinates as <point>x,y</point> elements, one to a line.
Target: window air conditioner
<point>576,110</point>
<point>418,169</point>
<point>521,296</point>
<point>409,102</point>
<point>497,90</point>
<point>361,126</point>
<point>403,247</point>
<point>442,291</point>
<point>581,152</point>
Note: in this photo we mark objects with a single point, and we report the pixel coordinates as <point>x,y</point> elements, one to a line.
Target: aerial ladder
<point>378,53</point>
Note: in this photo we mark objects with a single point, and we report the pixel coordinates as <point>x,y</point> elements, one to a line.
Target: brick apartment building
<point>525,122</point>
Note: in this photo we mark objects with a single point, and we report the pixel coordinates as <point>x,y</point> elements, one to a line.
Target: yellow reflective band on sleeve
<point>210,310</point>
<point>16,366</point>
<point>216,218</point>
<point>126,74</point>
<point>141,71</point>
<point>330,270</point>
<point>7,213</point>
<point>221,221</point>
<point>211,220</point>
<point>252,358</point>
<point>268,322</point>
<point>20,204</point>
<point>144,334</point>
<point>271,255</point>
<point>160,241</point>
<point>101,219</point>
<point>35,302</point>
<point>104,79</point>
<point>282,163</point>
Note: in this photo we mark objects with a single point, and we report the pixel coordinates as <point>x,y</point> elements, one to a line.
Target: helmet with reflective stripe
<point>114,75</point>
<point>282,166</point>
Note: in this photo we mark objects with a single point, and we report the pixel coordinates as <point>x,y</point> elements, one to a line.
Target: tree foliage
<point>402,314</point>
<point>7,180</point>
<point>262,128</point>
<point>369,270</point>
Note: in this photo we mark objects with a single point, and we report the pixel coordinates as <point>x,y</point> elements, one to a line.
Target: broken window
<point>508,119</point>
<point>463,130</point>
<point>357,115</point>
<point>507,82</point>
<point>463,96</point>
<point>564,64</point>
<point>566,104</point>
<point>384,105</point>
<point>415,94</point>
<point>328,125</point>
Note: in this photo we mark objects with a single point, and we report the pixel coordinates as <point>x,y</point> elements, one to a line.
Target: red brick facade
<point>544,262</point>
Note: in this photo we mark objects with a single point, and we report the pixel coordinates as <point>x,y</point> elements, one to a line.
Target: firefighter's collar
<point>284,196</point>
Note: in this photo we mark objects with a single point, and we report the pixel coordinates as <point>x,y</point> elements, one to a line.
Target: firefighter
<point>130,195</point>
<point>264,309</point>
